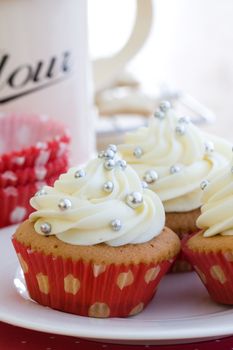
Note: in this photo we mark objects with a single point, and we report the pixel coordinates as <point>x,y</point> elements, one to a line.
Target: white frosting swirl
<point>216,213</point>
<point>162,147</point>
<point>87,222</point>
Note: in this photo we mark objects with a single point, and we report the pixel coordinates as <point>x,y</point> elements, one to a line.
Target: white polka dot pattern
<point>71,284</point>
<point>99,310</point>
<point>62,149</point>
<point>218,274</point>
<point>138,308</point>
<point>18,160</point>
<point>43,283</point>
<point>43,158</point>
<point>152,274</point>
<point>40,172</point>
<point>125,279</point>
<point>41,145</point>
<point>85,288</point>
<point>228,256</point>
<point>98,269</point>
<point>9,175</point>
<point>10,191</point>
<point>17,215</point>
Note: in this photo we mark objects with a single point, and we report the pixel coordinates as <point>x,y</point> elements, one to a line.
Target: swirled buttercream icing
<point>216,213</point>
<point>103,202</point>
<point>173,156</point>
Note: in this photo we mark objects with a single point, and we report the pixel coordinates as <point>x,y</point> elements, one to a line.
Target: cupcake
<point>210,251</point>
<point>176,159</point>
<point>96,244</point>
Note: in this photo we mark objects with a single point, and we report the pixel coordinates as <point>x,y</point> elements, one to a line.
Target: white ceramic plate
<point>180,312</point>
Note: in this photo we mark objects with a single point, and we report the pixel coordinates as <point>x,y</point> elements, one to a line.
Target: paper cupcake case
<point>30,140</point>
<point>88,289</point>
<point>14,201</point>
<point>36,173</point>
<point>215,270</point>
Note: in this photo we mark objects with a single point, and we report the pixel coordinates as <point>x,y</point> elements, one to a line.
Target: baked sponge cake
<point>96,244</point>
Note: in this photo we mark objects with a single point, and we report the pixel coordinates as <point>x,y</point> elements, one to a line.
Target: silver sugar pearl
<point>144,184</point>
<point>209,147</point>
<point>175,169</point>
<point>101,154</point>
<point>108,186</point>
<point>180,129</point>
<point>150,176</point>
<point>64,204</point>
<point>45,228</point>
<point>109,154</point>
<point>79,173</point>
<point>134,200</point>
<point>116,224</point>
<point>204,184</point>
<point>122,164</point>
<point>159,115</point>
<point>138,152</point>
<point>112,148</point>
<point>109,164</point>
<point>164,106</point>
<point>184,120</point>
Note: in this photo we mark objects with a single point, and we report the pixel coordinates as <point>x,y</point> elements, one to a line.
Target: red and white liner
<point>30,140</point>
<point>34,151</point>
<point>88,289</point>
<point>14,201</point>
<point>215,270</point>
<point>24,176</point>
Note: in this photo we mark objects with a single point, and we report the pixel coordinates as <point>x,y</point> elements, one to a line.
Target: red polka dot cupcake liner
<point>215,270</point>
<point>30,141</point>
<point>15,206</point>
<point>88,289</point>
<point>24,176</point>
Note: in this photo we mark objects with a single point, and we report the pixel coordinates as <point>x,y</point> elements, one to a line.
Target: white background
<point>190,48</point>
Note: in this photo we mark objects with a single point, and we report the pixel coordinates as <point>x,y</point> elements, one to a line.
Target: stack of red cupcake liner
<point>34,151</point>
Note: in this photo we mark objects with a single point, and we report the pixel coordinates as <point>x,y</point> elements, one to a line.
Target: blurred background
<point>189,48</point>
<point>101,68</point>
